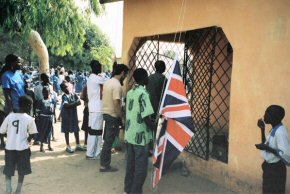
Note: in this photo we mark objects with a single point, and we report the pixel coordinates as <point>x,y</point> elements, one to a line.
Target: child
<point>17,153</point>
<point>45,112</point>
<point>276,150</point>
<point>68,83</point>
<point>85,125</point>
<point>138,133</point>
<point>69,122</point>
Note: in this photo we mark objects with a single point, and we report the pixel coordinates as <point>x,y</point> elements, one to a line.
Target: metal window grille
<point>205,57</point>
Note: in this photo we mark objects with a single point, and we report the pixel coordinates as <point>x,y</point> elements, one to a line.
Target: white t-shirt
<point>95,89</point>
<point>61,78</point>
<point>18,126</point>
<point>279,142</point>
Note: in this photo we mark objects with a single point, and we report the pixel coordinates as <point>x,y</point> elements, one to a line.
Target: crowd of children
<point>27,113</point>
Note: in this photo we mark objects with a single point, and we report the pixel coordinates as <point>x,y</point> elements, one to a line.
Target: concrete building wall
<point>259,32</point>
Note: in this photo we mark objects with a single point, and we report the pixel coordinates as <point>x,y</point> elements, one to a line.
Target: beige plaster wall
<point>259,32</point>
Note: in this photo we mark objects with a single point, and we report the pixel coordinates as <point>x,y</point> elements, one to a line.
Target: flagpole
<point>182,12</point>
<point>159,122</point>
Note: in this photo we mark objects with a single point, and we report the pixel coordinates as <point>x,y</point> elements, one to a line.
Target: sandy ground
<point>59,172</point>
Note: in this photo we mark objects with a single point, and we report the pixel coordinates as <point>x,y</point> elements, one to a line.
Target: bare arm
<point>8,98</point>
<point>267,148</point>
<point>118,110</point>
<point>72,105</point>
<point>149,123</point>
<point>84,94</point>
<point>76,102</point>
<point>117,107</point>
<point>261,125</point>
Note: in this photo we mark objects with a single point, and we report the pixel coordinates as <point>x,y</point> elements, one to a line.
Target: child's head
<point>45,92</point>
<point>64,88</point>
<point>44,78</point>
<point>25,103</point>
<point>274,114</point>
<point>140,75</point>
<point>67,78</point>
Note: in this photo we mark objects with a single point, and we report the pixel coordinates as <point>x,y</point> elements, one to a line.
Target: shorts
<point>19,160</point>
<point>96,120</point>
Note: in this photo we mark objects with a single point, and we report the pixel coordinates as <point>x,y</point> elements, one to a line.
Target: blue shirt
<point>55,83</point>
<point>15,83</point>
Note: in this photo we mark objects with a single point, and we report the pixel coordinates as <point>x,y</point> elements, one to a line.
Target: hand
<point>261,124</point>
<point>123,121</point>
<point>261,146</point>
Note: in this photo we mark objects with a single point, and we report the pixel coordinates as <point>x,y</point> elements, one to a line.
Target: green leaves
<point>96,46</point>
<point>96,7</point>
<point>67,32</point>
<point>59,22</point>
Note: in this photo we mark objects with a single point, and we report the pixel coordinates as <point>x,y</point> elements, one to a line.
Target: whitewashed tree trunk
<point>41,51</point>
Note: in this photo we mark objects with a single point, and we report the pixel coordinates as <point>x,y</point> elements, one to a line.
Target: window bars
<point>205,56</point>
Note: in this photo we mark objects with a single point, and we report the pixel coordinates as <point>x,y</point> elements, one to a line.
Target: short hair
<point>119,68</point>
<point>43,76</point>
<point>160,66</point>
<point>62,86</point>
<point>67,78</point>
<point>56,72</point>
<point>139,75</point>
<point>11,58</point>
<point>276,112</point>
<point>24,101</point>
<point>96,66</point>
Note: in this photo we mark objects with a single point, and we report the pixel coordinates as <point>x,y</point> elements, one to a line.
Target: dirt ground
<point>59,172</point>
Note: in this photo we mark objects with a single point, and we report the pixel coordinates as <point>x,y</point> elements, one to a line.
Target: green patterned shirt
<point>138,106</point>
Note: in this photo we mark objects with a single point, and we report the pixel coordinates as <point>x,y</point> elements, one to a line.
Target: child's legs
<point>10,162</point>
<point>23,162</point>
<point>42,136</point>
<point>8,184</point>
<point>51,135</point>
<point>77,138</point>
<point>66,135</point>
<point>49,138</point>
<point>20,178</point>
<point>48,133</point>
<point>20,183</point>
<point>86,137</point>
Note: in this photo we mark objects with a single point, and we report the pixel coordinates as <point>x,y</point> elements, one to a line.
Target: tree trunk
<point>40,49</point>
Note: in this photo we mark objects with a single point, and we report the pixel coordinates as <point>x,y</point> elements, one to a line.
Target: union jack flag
<point>177,127</point>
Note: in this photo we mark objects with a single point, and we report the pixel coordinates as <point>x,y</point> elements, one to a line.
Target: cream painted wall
<point>259,32</point>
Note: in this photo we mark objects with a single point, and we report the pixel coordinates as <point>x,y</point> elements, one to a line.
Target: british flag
<point>177,127</point>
